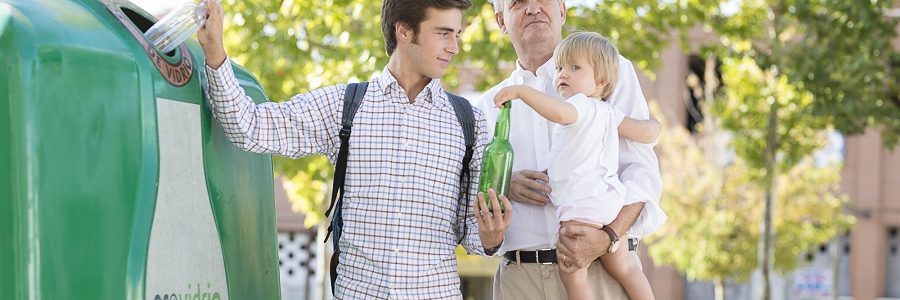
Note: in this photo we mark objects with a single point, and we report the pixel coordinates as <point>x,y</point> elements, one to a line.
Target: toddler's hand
<point>505,95</point>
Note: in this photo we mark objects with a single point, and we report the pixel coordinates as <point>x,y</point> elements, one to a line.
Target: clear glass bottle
<point>177,26</point>
<point>496,167</point>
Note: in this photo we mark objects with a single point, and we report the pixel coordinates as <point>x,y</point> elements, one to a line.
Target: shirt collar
<point>548,70</point>
<point>389,85</point>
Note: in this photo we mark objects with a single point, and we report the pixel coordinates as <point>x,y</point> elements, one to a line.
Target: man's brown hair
<point>411,13</point>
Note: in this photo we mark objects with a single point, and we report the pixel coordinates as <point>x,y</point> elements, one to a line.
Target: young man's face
<point>437,41</point>
<point>532,22</point>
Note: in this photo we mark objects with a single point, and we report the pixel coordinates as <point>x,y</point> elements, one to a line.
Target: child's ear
<point>601,83</point>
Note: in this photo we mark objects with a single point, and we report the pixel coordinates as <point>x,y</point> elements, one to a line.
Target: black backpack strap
<point>353,97</point>
<point>466,118</point>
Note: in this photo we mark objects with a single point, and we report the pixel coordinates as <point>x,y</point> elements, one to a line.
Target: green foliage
<point>840,51</point>
<point>708,234</point>
<point>836,56</point>
<point>295,46</point>
<point>744,110</point>
<point>641,29</point>
<point>818,65</point>
<point>306,181</point>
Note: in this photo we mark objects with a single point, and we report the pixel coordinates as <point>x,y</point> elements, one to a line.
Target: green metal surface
<point>246,224</point>
<point>7,210</point>
<point>79,160</point>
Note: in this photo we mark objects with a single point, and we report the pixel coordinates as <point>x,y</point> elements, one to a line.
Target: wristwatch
<point>613,239</point>
<point>492,251</point>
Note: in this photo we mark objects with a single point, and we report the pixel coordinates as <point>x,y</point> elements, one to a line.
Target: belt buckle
<point>633,244</point>
<point>537,256</point>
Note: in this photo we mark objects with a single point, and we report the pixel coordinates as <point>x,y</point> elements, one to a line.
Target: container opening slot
<point>142,23</point>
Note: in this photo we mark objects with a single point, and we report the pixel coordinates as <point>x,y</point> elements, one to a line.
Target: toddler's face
<point>575,77</point>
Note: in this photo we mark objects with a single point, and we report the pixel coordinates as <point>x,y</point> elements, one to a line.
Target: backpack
<point>353,97</point>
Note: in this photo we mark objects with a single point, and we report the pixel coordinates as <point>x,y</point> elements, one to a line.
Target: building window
<point>697,83</point>
<point>297,264</point>
<point>893,264</point>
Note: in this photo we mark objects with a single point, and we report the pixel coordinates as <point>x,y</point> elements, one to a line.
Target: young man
<point>535,28</point>
<point>402,212</point>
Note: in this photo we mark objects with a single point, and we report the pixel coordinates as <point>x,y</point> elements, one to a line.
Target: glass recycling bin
<point>115,182</point>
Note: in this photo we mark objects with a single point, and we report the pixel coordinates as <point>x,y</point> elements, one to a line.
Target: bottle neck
<point>201,9</point>
<point>502,130</point>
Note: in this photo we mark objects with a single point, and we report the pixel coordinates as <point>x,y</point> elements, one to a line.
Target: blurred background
<point>788,109</point>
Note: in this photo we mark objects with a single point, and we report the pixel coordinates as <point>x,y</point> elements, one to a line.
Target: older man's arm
<point>579,245</point>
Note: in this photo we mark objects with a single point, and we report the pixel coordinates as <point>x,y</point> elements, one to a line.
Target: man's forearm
<point>215,58</point>
<point>627,216</point>
<point>584,244</point>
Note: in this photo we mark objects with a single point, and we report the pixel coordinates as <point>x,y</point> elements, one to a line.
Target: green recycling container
<point>115,182</point>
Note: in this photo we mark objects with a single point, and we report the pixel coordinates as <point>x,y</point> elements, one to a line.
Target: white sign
<point>812,283</point>
<point>184,259</point>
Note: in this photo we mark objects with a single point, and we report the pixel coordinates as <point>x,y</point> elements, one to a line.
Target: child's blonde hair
<point>600,53</point>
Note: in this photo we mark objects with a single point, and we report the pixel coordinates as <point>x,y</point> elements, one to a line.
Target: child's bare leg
<point>576,284</point>
<point>620,266</point>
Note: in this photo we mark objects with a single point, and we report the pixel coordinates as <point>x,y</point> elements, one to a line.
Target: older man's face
<point>532,21</point>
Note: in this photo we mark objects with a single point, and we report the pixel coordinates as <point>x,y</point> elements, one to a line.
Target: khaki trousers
<point>531,281</point>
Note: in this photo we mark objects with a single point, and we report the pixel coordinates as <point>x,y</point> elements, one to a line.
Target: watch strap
<point>613,237</point>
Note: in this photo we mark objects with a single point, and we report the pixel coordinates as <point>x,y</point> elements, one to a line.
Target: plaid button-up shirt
<point>402,213</point>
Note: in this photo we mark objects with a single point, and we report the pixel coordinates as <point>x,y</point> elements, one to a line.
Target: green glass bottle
<point>496,168</point>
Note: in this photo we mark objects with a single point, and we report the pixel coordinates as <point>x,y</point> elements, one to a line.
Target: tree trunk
<point>710,128</point>
<point>720,288</point>
<point>836,266</point>
<point>767,234</point>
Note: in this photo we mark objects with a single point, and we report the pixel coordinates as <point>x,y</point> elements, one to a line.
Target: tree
<point>782,93</point>
<point>712,197</point>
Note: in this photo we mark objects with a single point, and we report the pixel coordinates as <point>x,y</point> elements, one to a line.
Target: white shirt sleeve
<point>583,107</point>
<point>638,164</point>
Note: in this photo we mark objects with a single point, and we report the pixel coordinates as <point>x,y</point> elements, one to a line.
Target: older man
<point>530,269</point>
